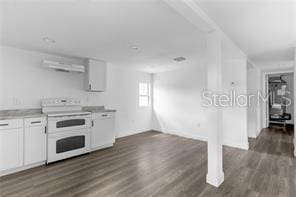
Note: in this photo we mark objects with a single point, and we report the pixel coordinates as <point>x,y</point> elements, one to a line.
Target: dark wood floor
<point>155,164</point>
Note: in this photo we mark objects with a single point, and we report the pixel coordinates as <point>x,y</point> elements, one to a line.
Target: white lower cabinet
<point>11,144</point>
<point>34,141</point>
<point>23,141</point>
<point>103,134</point>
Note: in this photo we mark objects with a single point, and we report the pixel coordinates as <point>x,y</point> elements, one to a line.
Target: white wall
<point>235,118</point>
<point>177,102</point>
<point>24,83</point>
<point>178,109</point>
<point>253,87</point>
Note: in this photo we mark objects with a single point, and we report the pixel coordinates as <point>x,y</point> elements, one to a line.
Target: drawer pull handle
<point>35,122</point>
<point>2,125</point>
<point>104,115</point>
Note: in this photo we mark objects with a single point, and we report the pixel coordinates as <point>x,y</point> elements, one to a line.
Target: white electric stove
<point>68,128</point>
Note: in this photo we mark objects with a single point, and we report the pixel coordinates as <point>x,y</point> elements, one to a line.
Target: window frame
<point>148,95</point>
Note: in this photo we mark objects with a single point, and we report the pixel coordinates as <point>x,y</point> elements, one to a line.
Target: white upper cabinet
<point>95,79</point>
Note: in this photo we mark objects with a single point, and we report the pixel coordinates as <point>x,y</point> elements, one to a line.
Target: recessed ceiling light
<point>134,47</point>
<point>48,40</point>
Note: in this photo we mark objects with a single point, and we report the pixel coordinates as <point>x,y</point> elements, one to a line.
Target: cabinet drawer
<point>11,124</point>
<point>102,115</point>
<point>32,122</point>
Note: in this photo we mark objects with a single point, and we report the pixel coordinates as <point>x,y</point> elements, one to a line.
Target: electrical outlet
<point>198,125</point>
<point>16,101</point>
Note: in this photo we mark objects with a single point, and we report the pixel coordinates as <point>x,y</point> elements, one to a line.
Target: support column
<point>215,174</point>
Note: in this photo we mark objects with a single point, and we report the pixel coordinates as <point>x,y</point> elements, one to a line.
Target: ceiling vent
<point>179,59</point>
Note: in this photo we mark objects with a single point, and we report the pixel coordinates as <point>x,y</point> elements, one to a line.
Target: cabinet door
<point>96,76</point>
<point>103,132</point>
<point>11,148</point>
<point>35,144</point>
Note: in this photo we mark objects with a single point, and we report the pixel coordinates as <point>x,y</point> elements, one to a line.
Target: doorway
<point>278,109</point>
<point>280,105</point>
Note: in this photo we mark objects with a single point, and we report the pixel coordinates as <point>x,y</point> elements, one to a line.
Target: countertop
<point>97,109</point>
<point>20,113</point>
<point>33,113</point>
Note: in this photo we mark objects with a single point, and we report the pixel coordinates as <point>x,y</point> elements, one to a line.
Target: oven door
<point>67,144</point>
<point>65,123</point>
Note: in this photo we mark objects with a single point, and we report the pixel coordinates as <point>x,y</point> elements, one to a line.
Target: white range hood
<point>60,66</point>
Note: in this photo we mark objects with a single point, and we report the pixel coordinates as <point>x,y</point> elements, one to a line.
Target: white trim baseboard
<point>132,133</point>
<point>185,135</point>
<point>215,180</point>
<point>252,136</point>
<point>102,147</point>
<point>241,145</point>
<point>14,170</point>
<point>244,146</point>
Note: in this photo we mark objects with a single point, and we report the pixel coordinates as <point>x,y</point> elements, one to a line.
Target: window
<point>144,94</point>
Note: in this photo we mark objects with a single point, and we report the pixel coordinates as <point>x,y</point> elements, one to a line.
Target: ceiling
<point>264,29</point>
<point>104,30</point>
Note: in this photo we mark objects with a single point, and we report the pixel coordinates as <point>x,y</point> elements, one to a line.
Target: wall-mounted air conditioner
<point>65,67</point>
